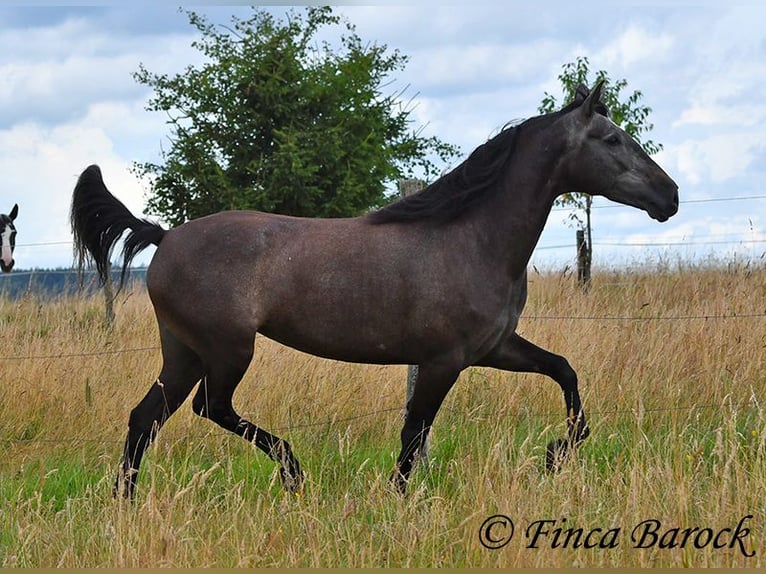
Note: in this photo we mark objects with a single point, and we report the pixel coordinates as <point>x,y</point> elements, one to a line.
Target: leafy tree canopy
<point>277,120</point>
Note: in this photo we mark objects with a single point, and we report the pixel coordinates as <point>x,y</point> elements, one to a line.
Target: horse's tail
<point>99,219</point>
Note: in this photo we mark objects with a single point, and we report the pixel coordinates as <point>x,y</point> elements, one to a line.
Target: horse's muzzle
<point>665,211</point>
<point>6,267</point>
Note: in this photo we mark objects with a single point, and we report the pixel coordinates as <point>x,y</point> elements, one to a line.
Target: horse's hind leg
<point>181,370</point>
<point>213,400</point>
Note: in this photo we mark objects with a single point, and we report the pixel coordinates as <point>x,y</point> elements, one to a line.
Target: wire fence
<point>610,318</point>
<point>663,241</point>
<point>682,202</point>
<point>743,240</point>
<point>335,421</point>
<point>326,422</point>
<point>681,242</point>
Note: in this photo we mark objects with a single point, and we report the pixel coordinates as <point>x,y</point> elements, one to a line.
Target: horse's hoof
<point>292,482</point>
<point>124,487</point>
<point>555,454</point>
<point>399,482</point>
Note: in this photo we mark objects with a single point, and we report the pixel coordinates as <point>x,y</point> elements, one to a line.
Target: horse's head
<point>7,239</point>
<point>603,159</point>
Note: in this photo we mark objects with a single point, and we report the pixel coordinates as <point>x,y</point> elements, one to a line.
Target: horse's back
<point>244,271</point>
<point>232,246</point>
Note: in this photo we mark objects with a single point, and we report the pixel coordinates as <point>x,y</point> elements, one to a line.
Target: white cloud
<point>717,158</point>
<point>710,113</point>
<point>635,44</point>
<point>480,66</point>
<point>41,165</point>
<point>96,64</point>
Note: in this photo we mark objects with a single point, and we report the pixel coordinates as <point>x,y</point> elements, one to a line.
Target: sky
<point>68,99</point>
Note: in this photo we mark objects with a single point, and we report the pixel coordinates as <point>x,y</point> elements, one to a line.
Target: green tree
<point>626,112</point>
<point>277,120</point>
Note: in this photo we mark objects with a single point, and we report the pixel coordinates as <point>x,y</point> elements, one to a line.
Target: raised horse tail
<point>99,219</point>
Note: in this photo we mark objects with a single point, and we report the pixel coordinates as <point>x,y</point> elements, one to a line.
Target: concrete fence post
<point>410,187</point>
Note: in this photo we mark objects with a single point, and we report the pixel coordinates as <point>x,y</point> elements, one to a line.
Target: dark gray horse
<point>7,238</point>
<point>437,279</point>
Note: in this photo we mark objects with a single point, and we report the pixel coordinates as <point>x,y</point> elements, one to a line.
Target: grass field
<point>672,376</point>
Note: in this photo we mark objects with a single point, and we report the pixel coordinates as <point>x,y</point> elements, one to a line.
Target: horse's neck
<point>513,219</point>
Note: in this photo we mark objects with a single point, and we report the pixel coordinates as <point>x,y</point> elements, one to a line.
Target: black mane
<point>456,192</point>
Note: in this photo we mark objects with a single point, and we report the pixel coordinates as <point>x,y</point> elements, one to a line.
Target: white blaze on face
<point>5,241</point>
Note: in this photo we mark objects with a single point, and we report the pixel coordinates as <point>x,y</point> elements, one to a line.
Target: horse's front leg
<point>431,386</point>
<point>519,355</point>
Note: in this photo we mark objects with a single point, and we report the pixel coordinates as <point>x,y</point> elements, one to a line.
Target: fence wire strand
<point>703,317</point>
<point>333,421</point>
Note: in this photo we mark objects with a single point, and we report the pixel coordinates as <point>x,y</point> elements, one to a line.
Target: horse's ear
<point>593,100</point>
<point>581,92</point>
<point>14,211</point>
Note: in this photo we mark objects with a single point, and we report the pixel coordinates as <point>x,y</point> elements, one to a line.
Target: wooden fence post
<point>410,187</point>
<point>583,260</point>
<point>109,297</point>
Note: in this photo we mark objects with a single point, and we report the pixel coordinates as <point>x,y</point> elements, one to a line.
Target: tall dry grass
<point>671,368</point>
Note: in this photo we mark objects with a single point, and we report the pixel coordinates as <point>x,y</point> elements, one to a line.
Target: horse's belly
<point>339,350</point>
<point>386,334</point>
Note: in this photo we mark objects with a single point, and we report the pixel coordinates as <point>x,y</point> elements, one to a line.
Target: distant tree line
<point>57,282</point>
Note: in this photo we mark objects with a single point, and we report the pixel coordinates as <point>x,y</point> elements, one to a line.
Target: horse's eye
<point>612,139</point>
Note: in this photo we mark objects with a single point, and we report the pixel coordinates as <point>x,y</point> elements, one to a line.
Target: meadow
<point>670,361</point>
